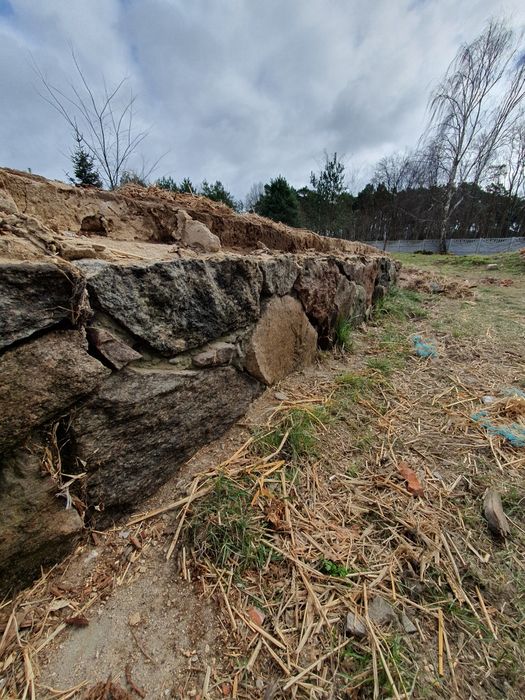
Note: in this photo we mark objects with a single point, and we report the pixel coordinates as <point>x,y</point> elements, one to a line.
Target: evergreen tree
<point>279,202</point>
<point>84,167</point>
<point>218,193</point>
<point>329,187</point>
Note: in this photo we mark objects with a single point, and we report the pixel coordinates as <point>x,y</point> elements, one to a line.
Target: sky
<point>235,90</point>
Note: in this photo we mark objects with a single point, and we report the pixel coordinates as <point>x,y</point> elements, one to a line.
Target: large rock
<point>279,274</point>
<point>42,378</point>
<point>35,296</point>
<point>195,234</point>
<point>283,340</point>
<point>35,527</point>
<point>142,424</point>
<point>327,296</point>
<point>177,305</point>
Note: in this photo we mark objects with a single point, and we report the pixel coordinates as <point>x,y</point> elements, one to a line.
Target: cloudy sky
<point>236,90</point>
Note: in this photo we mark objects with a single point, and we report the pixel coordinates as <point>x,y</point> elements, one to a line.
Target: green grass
<point>400,304</point>
<point>332,568</point>
<point>352,385</point>
<point>224,528</point>
<point>301,425</point>
<point>385,365</point>
<point>509,263</point>
<point>343,334</point>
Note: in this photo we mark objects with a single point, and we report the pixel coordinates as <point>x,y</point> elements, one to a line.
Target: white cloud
<point>240,90</point>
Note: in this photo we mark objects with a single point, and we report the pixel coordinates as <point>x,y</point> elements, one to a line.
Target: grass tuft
<point>401,304</point>
<point>343,334</point>
<point>225,530</point>
<point>302,426</point>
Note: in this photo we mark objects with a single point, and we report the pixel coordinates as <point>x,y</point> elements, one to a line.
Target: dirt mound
<point>423,281</point>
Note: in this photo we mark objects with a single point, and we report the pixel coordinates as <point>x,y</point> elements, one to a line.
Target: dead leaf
<point>257,616</point>
<point>77,621</point>
<point>414,486</point>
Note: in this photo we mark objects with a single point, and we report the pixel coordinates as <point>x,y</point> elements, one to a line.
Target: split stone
<point>35,526</point>
<point>219,353</point>
<point>177,305</point>
<point>116,352</point>
<point>283,340</point>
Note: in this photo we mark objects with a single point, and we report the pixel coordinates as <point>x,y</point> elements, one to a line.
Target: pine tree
<point>84,167</point>
<point>279,202</point>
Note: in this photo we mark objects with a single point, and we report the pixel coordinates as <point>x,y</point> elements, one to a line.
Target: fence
<point>458,246</point>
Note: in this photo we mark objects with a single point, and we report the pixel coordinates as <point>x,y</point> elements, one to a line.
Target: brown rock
<point>195,234</point>
<point>327,296</point>
<point>95,224</point>
<point>42,378</point>
<point>283,340</point>
<point>116,352</point>
<point>35,527</point>
<point>219,353</point>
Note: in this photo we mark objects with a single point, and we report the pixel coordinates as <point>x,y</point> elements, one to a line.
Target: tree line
<point>465,178</point>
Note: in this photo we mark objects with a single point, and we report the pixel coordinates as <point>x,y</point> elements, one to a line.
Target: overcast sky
<point>236,90</point>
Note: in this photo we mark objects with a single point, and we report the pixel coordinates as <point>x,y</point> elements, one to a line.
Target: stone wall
<point>118,363</point>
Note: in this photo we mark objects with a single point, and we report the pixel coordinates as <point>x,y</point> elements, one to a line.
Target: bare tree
<point>513,168</point>
<point>253,196</point>
<point>473,110</point>
<point>102,123</point>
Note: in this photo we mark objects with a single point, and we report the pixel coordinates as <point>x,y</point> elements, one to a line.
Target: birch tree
<point>474,109</point>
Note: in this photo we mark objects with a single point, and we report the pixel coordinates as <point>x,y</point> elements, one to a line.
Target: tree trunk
<point>446,218</point>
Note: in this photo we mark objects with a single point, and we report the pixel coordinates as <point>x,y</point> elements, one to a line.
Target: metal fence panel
<point>458,246</point>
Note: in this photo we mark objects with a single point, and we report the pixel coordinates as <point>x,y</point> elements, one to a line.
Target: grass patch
<point>343,334</point>
<point>332,568</point>
<point>400,304</point>
<point>352,385</point>
<point>301,425</point>
<point>384,365</point>
<point>509,263</point>
<point>224,528</point>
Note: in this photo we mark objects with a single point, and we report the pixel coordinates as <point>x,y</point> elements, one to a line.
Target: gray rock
<point>35,527</point>
<point>218,353</point>
<point>381,612</point>
<point>35,296</point>
<point>180,304</point>
<point>279,274</point>
<point>492,266</point>
<point>407,623</point>
<point>142,424</point>
<point>355,626</point>
<point>115,352</point>
<point>42,378</point>
<point>283,340</point>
